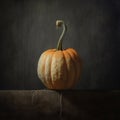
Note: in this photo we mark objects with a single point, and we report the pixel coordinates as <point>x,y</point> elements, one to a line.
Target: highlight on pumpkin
<point>59,69</point>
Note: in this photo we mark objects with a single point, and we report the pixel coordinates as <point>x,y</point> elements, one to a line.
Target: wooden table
<point>59,105</point>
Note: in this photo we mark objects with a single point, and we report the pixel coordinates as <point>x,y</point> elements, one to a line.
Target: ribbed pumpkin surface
<point>59,69</point>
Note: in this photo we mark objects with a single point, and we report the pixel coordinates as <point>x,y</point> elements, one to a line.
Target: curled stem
<point>60,23</point>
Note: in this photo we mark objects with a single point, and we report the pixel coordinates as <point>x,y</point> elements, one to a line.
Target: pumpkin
<point>58,68</point>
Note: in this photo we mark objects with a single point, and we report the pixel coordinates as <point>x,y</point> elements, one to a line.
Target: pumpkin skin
<point>59,69</point>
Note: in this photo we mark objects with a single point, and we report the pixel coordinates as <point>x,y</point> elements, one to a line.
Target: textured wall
<point>27,28</point>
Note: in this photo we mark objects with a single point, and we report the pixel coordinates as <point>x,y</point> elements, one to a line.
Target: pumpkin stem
<point>60,23</point>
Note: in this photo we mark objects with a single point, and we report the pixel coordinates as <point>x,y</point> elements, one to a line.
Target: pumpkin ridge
<point>49,81</point>
<point>52,84</point>
<point>65,67</point>
<point>68,78</point>
<point>73,67</point>
<point>42,59</point>
<point>77,58</point>
<point>57,70</point>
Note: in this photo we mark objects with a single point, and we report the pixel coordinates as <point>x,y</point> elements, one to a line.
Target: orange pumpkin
<point>57,68</point>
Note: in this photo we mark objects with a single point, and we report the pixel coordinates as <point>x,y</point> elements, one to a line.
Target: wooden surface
<point>59,105</point>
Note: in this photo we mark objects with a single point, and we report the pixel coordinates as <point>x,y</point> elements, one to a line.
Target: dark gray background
<point>27,28</point>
